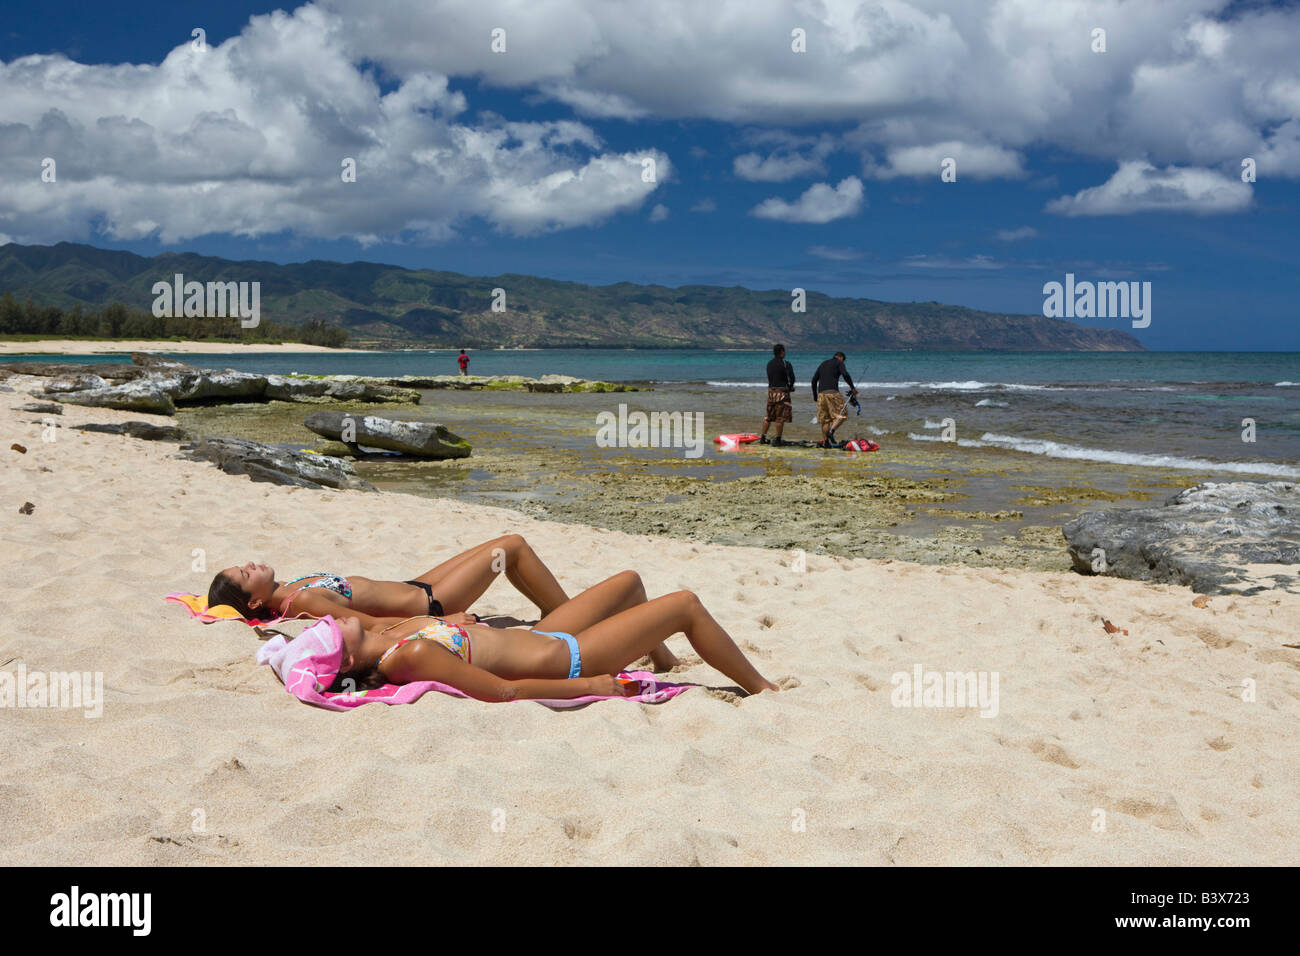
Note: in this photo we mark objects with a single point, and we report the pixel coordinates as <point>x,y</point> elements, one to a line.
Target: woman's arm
<point>421,660</point>
<point>318,605</point>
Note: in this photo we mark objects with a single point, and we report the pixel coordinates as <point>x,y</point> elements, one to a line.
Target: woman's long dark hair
<point>226,591</point>
<point>358,680</point>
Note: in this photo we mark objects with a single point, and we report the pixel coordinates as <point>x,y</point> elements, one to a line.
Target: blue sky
<point>776,169</point>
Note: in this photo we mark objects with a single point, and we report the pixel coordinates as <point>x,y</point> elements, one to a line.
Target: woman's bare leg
<point>460,581</point>
<point>618,593</point>
<point>615,642</point>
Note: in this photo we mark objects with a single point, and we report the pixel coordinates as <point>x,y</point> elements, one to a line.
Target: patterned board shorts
<point>778,406</point>
<point>830,406</point>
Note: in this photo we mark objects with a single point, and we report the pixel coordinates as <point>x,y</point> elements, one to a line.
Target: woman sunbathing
<point>254,592</point>
<point>573,652</point>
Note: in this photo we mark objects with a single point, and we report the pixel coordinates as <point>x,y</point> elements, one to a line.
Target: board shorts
<point>778,406</point>
<point>830,406</point>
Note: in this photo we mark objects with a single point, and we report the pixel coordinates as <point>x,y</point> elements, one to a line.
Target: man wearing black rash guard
<point>780,383</point>
<point>830,403</point>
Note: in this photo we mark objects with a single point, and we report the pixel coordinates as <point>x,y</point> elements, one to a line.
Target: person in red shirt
<point>463,359</point>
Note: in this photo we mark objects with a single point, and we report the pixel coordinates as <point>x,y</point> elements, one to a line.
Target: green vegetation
<point>379,305</point>
<point>27,321</point>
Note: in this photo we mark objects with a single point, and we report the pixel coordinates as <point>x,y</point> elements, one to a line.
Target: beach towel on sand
<point>309,663</point>
<point>198,607</point>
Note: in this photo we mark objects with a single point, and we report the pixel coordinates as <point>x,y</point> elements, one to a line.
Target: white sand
<point>1150,727</point>
<point>80,347</point>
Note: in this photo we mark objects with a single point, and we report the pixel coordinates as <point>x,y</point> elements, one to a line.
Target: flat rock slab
<point>1216,538</point>
<point>282,466</point>
<point>142,395</point>
<point>43,408</point>
<point>111,371</point>
<point>418,439</point>
<point>141,430</point>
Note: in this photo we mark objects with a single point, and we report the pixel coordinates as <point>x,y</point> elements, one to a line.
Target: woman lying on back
<point>574,652</point>
<point>450,588</point>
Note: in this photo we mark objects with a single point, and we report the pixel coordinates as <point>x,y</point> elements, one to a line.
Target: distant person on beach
<point>463,360</point>
<point>253,591</point>
<point>831,410</point>
<point>780,383</point>
<point>575,651</point>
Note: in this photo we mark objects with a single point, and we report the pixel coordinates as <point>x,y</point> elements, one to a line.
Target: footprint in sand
<point>576,828</point>
<point>1052,753</point>
<point>1218,743</point>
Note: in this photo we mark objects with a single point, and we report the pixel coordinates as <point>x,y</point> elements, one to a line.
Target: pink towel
<point>309,663</point>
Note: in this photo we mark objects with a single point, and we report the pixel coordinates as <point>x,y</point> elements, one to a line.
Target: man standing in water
<point>831,411</point>
<point>780,383</point>
<point>463,360</point>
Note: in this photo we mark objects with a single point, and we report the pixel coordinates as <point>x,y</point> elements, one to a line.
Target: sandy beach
<point>1125,748</point>
<point>108,347</point>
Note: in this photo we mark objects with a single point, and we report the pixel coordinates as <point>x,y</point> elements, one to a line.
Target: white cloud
<point>1013,235</point>
<point>1140,187</point>
<point>248,138</point>
<point>776,169</point>
<point>969,161</point>
<point>793,158</point>
<point>659,213</point>
<point>1183,83</point>
<point>835,253</point>
<point>705,205</point>
<point>947,262</point>
<point>820,203</point>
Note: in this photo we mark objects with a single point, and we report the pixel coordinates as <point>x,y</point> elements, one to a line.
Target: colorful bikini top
<point>451,636</point>
<point>330,582</point>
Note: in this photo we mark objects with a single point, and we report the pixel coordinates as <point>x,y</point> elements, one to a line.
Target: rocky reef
<point>1216,538</point>
<point>417,439</point>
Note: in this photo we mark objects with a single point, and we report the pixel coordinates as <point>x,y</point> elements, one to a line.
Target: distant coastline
<point>112,346</point>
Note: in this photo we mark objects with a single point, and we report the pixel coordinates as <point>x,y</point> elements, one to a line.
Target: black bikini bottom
<point>435,606</point>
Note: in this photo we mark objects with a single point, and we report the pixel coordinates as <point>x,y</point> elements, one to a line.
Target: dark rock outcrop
<point>419,439</point>
<point>141,430</point>
<point>1203,537</point>
<point>43,408</point>
<point>282,466</point>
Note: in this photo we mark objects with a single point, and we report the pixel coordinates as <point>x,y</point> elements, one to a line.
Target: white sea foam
<point>963,442</point>
<point>968,386</point>
<point>1286,384</point>
<point>1051,449</point>
<point>989,403</point>
<point>930,424</point>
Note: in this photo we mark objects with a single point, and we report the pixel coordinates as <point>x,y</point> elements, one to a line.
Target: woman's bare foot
<point>663,659</point>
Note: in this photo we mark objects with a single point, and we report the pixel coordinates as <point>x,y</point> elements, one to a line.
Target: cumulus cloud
<point>247,137</point>
<point>250,137</point>
<point>820,203</point>
<point>659,213</point>
<point>1140,187</point>
<point>794,157</point>
<point>1193,82</point>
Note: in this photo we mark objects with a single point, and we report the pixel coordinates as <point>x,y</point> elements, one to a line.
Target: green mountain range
<point>384,305</point>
